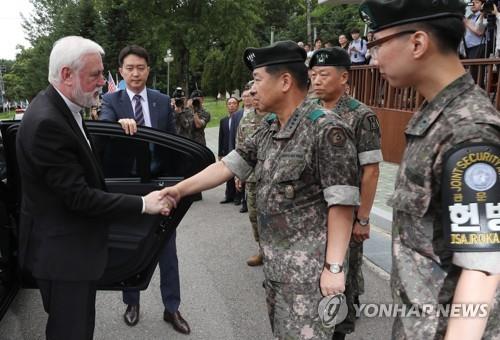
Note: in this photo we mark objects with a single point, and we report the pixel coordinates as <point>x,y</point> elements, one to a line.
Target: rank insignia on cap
<point>322,58</point>
<point>281,52</point>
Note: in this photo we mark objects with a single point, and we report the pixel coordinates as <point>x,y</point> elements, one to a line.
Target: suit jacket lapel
<point>126,105</point>
<point>68,116</point>
<point>153,108</point>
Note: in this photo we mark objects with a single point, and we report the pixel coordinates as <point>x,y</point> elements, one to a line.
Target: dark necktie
<point>139,116</point>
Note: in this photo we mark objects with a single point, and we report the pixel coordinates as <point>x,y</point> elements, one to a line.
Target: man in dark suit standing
<point>132,107</point>
<point>65,209</point>
<point>227,141</point>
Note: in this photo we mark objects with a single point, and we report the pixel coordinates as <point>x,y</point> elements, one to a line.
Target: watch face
<point>335,268</point>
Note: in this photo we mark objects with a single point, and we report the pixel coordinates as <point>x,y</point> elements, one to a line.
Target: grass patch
<point>9,115</point>
<point>217,109</point>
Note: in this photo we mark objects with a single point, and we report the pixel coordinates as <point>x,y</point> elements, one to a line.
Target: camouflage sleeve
<point>240,134</point>
<point>204,116</point>
<point>488,262</point>
<point>242,160</point>
<point>337,165</point>
<point>368,139</point>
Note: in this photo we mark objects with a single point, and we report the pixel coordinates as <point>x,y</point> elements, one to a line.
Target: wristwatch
<point>363,222</point>
<point>334,268</point>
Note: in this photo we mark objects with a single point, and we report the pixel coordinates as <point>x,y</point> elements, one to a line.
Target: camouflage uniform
<point>184,123</point>
<point>198,135</point>
<point>247,127</point>
<point>364,122</point>
<point>423,269</point>
<point>301,170</point>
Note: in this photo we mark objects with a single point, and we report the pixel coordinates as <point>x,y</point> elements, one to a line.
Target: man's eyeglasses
<point>375,45</point>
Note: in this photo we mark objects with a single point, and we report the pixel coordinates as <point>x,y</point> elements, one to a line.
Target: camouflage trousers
<point>252,210</point>
<point>354,286</point>
<point>293,311</point>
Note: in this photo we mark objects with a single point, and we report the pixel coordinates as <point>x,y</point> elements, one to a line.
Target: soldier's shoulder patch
<point>370,122</point>
<point>315,115</point>
<point>353,104</point>
<point>271,117</point>
<point>337,136</point>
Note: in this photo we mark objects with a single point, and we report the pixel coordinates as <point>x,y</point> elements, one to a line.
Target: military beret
<point>281,52</point>
<point>196,94</point>
<point>333,56</point>
<point>382,14</point>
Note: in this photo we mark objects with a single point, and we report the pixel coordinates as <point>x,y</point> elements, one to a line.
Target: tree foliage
<point>207,38</point>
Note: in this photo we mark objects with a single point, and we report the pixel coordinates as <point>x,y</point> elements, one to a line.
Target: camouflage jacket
<point>247,127</point>
<point>184,123</point>
<point>364,123</point>
<point>422,267</point>
<point>301,169</point>
<point>198,134</point>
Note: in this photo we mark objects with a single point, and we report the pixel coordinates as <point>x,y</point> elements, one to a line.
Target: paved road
<point>222,298</point>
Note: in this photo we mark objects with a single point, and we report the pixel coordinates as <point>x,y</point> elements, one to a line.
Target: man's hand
<point>330,283</point>
<point>171,195</point>
<point>128,125</point>
<point>238,184</point>
<point>360,233</point>
<point>155,203</point>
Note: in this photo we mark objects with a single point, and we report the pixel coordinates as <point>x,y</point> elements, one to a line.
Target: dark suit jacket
<point>227,137</point>
<point>117,105</point>
<point>119,158</point>
<point>65,210</point>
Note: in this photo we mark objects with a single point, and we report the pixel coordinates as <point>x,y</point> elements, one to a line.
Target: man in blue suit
<point>132,107</point>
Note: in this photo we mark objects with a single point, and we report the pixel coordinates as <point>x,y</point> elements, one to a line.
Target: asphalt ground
<point>222,298</point>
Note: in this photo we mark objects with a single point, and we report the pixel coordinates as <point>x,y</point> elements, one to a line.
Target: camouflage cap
<point>382,14</point>
<point>333,56</point>
<point>282,52</point>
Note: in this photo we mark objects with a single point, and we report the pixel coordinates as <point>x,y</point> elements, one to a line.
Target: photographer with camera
<point>201,117</point>
<point>475,26</point>
<point>183,116</point>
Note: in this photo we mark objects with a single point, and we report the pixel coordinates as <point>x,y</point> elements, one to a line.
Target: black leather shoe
<point>131,315</point>
<point>177,321</point>
<point>338,336</point>
<point>226,200</point>
<point>244,208</point>
<point>237,202</point>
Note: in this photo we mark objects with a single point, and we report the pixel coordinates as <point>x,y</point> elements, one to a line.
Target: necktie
<point>139,116</point>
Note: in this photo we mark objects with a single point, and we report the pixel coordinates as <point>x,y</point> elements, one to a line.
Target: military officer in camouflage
<point>416,45</point>
<point>329,77</point>
<point>247,127</point>
<point>305,166</point>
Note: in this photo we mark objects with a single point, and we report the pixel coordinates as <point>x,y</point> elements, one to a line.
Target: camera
<point>179,96</point>
<point>487,6</point>
<point>196,98</point>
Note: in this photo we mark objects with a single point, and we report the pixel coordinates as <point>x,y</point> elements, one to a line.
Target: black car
<point>139,164</point>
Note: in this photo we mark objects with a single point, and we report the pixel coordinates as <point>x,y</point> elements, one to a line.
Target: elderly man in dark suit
<point>132,107</point>
<point>227,141</point>
<point>65,209</point>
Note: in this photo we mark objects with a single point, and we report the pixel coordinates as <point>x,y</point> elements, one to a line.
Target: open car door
<point>139,164</point>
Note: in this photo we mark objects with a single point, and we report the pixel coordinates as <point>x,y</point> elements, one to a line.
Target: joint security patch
<point>470,195</point>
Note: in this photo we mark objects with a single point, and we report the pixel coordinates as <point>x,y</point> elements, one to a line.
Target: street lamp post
<point>168,59</point>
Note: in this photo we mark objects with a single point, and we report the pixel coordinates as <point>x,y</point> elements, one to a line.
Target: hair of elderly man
<point>68,52</point>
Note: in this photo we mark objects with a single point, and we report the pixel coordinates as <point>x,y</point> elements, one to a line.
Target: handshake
<point>161,201</point>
